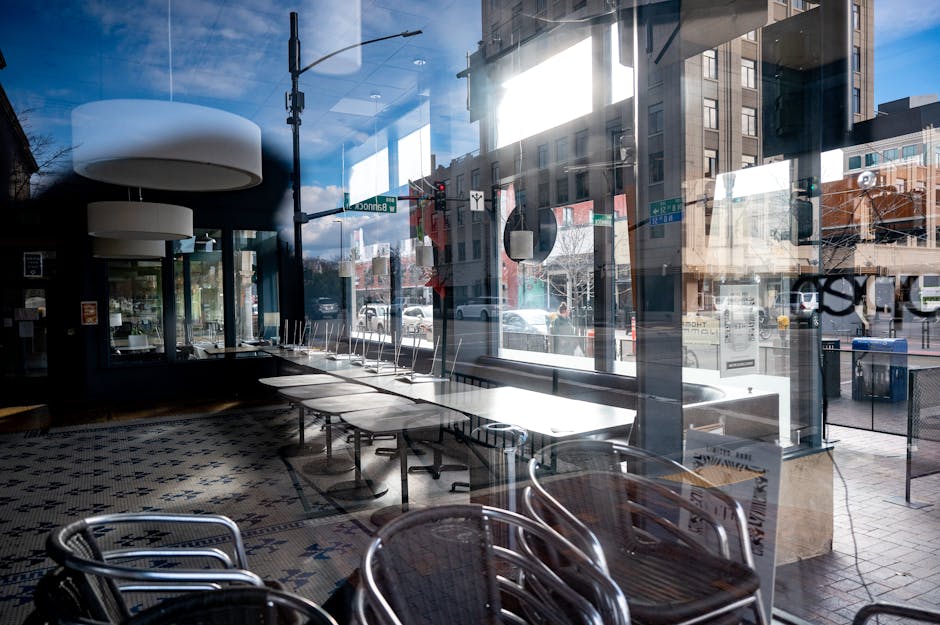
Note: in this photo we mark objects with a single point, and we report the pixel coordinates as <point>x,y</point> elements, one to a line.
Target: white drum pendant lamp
<point>424,255</point>
<point>380,265</point>
<point>521,244</point>
<point>167,145</point>
<point>345,269</point>
<point>128,249</point>
<point>139,221</point>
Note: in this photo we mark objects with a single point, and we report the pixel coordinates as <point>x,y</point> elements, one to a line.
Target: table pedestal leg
<point>359,488</point>
<point>301,448</point>
<point>329,465</point>
<point>384,515</point>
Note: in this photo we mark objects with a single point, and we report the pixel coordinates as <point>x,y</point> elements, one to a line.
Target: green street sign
<point>377,204</point>
<point>665,211</point>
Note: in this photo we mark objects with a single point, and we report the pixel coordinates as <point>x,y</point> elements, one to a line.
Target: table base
<point>358,490</point>
<point>329,466</point>
<point>383,515</point>
<point>295,450</point>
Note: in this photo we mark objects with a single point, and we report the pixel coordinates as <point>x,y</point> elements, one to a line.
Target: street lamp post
<point>295,106</point>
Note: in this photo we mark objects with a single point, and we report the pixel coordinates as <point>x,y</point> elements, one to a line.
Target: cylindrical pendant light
<point>346,269</point>
<point>424,255</point>
<point>521,244</point>
<point>380,265</point>
<point>139,220</point>
<point>128,249</point>
<point>168,145</point>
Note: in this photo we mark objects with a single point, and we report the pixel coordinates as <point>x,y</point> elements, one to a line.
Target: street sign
<point>476,201</point>
<point>604,221</point>
<point>665,211</point>
<point>377,204</point>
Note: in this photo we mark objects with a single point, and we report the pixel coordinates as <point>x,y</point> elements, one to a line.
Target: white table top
<point>351,403</point>
<point>317,391</point>
<point>395,419</point>
<point>283,381</point>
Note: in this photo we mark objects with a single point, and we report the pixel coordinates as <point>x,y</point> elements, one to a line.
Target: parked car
<point>417,320</point>
<point>325,308</point>
<point>801,306</point>
<point>525,321</point>
<point>373,318</point>
<point>482,308</point>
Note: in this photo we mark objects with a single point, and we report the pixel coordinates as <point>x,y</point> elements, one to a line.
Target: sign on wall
<point>738,318</point>
<point>89,313</point>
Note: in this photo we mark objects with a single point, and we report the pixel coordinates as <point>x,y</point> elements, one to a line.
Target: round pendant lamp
<point>166,145</point>
<point>139,221</point>
<point>128,249</point>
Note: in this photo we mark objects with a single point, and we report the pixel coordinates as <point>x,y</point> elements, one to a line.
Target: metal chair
<point>235,606</point>
<point>901,611</point>
<point>626,510</point>
<point>452,564</point>
<point>106,559</point>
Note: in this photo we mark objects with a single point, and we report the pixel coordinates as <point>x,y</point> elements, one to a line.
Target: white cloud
<point>897,19</point>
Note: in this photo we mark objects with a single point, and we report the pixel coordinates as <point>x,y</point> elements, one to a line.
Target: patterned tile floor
<point>882,551</point>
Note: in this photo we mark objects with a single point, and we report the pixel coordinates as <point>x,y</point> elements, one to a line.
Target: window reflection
<point>199,293</point>
<point>135,310</point>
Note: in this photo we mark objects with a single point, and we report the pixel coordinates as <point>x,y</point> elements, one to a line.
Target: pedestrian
<point>562,329</point>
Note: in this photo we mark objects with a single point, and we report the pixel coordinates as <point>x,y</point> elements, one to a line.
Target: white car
<point>417,320</point>
<point>525,321</point>
<point>373,318</point>
<point>482,308</point>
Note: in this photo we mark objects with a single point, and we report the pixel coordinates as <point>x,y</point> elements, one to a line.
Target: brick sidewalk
<point>895,554</point>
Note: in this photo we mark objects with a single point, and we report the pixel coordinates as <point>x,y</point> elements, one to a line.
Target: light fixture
<point>380,265</point>
<point>521,244</point>
<point>167,145</point>
<point>346,269</point>
<point>128,249</point>
<point>139,221</point>
<point>424,255</point>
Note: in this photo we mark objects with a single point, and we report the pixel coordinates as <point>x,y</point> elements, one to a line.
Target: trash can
<point>879,369</point>
<point>832,379</point>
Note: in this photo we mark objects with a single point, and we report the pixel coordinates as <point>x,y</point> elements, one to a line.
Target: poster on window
<point>738,347</point>
<point>750,472</point>
<point>89,313</point>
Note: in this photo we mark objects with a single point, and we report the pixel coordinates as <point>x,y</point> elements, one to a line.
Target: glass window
<point>891,154</point>
<point>656,118</point>
<point>199,291</point>
<point>856,16</point>
<point>748,160</point>
<point>561,189</point>
<point>749,121</point>
<point>581,144</point>
<point>582,185</point>
<point>135,310</point>
<point>750,35</point>
<point>748,73</point>
<point>856,100</point>
<point>710,163</point>
<point>872,158</point>
<point>542,156</point>
<point>799,5</point>
<point>856,59</point>
<point>710,113</point>
<point>561,150</point>
<point>710,64</point>
<point>855,162</point>
<point>909,151</point>
<point>656,168</point>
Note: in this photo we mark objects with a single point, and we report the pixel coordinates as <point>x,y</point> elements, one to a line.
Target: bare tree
<point>52,159</point>
<point>574,257</point>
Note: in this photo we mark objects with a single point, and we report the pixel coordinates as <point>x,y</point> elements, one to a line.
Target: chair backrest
<point>103,573</point>
<point>631,495</point>
<point>235,606</point>
<point>452,564</point>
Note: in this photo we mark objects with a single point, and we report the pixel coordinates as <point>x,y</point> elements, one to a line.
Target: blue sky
<point>231,54</point>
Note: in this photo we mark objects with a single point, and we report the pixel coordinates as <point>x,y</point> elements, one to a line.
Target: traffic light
<point>802,210</point>
<point>440,196</point>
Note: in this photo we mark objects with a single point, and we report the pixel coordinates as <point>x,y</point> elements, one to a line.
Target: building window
<point>710,114</point>
<point>461,251</point>
<point>582,187</point>
<point>655,118</point>
<point>711,163</point>
<point>561,150</point>
<point>799,5</point>
<point>872,158</point>
<point>856,59</point>
<point>856,17</point>
<point>855,162</point>
<point>561,189</point>
<point>544,199</point>
<point>748,160</point>
<point>541,6</point>
<point>901,185</point>
<point>542,156</point>
<point>657,173</point>
<point>891,154</point>
<point>749,73</point>
<point>749,121</point>
<point>710,64</point>
<point>750,35</point>
<point>581,144</point>
<point>909,151</point>
<point>461,185</point>
<point>856,100</point>
<point>477,249</point>
<point>567,216</point>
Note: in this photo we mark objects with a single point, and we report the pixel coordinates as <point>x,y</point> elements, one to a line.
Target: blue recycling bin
<point>879,369</point>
